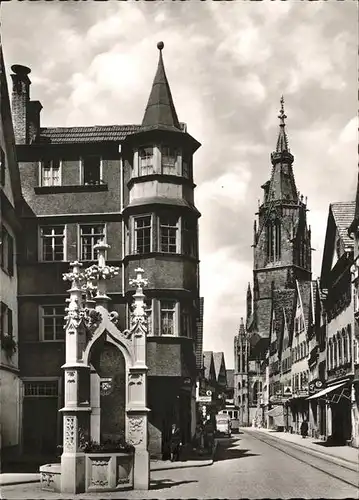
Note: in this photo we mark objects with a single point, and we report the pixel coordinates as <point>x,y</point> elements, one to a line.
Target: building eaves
<point>81,135</point>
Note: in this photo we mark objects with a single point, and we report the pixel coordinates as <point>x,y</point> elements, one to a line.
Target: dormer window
<point>145,160</point>
<point>92,170</point>
<point>169,156</point>
<point>50,173</point>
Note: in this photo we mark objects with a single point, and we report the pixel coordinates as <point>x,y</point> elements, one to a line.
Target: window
<point>2,167</point>
<point>335,351</point>
<point>142,239</point>
<point>168,308</point>
<point>185,167</point>
<point>7,252</point>
<point>51,173</point>
<point>185,322</point>
<point>52,323</point>
<point>148,310</point>
<point>5,320</point>
<point>52,243</point>
<point>273,240</point>
<point>189,236</point>
<point>145,161</point>
<point>41,388</point>
<point>349,329</point>
<point>168,234</point>
<point>92,170</point>
<point>169,160</point>
<point>89,236</point>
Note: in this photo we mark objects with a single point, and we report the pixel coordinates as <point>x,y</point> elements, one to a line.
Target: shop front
<point>337,398</point>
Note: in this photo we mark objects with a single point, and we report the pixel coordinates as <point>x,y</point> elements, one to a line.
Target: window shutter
<point>9,322</point>
<point>11,255</point>
<point>2,319</point>
<point>2,246</point>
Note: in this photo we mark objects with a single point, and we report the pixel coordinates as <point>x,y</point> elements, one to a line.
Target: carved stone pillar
<point>76,412</point>
<point>137,411</point>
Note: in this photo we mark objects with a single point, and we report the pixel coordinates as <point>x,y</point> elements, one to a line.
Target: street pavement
<point>245,467</point>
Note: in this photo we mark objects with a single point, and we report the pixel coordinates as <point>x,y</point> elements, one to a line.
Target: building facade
<point>10,228</point>
<point>354,234</point>
<point>132,186</point>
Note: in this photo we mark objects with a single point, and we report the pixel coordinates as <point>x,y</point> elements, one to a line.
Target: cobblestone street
<point>247,466</point>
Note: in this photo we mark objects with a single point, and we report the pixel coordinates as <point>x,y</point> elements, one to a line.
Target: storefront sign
<point>205,399</point>
<point>316,386</point>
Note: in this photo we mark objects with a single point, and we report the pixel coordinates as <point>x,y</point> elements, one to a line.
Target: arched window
<point>340,348</point>
<point>345,346</point>
<point>239,386</point>
<point>349,330</point>
<point>277,240</point>
<point>335,352</point>
<point>273,240</point>
<point>255,393</point>
<point>331,354</point>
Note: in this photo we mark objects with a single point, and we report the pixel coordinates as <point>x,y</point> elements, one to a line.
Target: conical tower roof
<point>282,183</point>
<point>160,111</point>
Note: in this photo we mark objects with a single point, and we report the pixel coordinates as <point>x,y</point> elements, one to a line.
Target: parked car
<point>223,424</point>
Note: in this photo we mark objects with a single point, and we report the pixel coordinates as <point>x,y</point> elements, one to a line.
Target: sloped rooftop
<point>343,213</point>
<point>96,133</point>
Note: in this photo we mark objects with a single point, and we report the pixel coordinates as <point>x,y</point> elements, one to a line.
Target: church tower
<point>241,352</point>
<point>282,247</point>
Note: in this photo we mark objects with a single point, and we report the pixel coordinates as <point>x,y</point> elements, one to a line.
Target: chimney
<point>20,101</point>
<point>33,115</point>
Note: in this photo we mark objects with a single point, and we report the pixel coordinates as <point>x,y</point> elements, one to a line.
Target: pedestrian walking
<point>304,429</point>
<point>176,443</point>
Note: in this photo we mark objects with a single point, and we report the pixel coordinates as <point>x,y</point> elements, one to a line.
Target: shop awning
<point>327,390</point>
<point>277,411</point>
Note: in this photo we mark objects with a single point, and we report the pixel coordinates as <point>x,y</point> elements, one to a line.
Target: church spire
<point>160,111</point>
<point>282,151</point>
<point>282,142</point>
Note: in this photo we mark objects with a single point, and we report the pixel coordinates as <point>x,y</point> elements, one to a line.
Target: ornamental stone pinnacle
<point>138,314</point>
<point>139,282</point>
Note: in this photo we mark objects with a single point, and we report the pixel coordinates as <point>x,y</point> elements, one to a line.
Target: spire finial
<point>282,116</point>
<point>160,46</point>
<point>282,142</point>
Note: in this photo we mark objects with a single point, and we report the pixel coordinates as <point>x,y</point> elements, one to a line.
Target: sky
<point>228,63</point>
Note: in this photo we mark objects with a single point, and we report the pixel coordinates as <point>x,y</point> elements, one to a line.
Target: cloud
<point>228,63</point>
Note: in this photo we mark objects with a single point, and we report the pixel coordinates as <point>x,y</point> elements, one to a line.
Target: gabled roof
<point>343,213</point>
<point>340,216</point>
<point>230,379</point>
<point>219,364</point>
<point>76,135</point>
<point>283,307</point>
<point>304,289</point>
<point>208,365</point>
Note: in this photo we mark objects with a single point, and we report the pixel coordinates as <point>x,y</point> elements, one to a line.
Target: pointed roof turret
<point>241,331</point>
<point>160,111</point>
<point>282,151</point>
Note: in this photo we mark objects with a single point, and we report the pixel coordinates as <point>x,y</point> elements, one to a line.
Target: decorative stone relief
<point>70,432</point>
<point>114,317</point>
<point>106,386</point>
<point>92,319</point>
<point>46,479</point>
<point>70,377</point>
<point>135,379</point>
<point>135,430</point>
<point>99,469</point>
